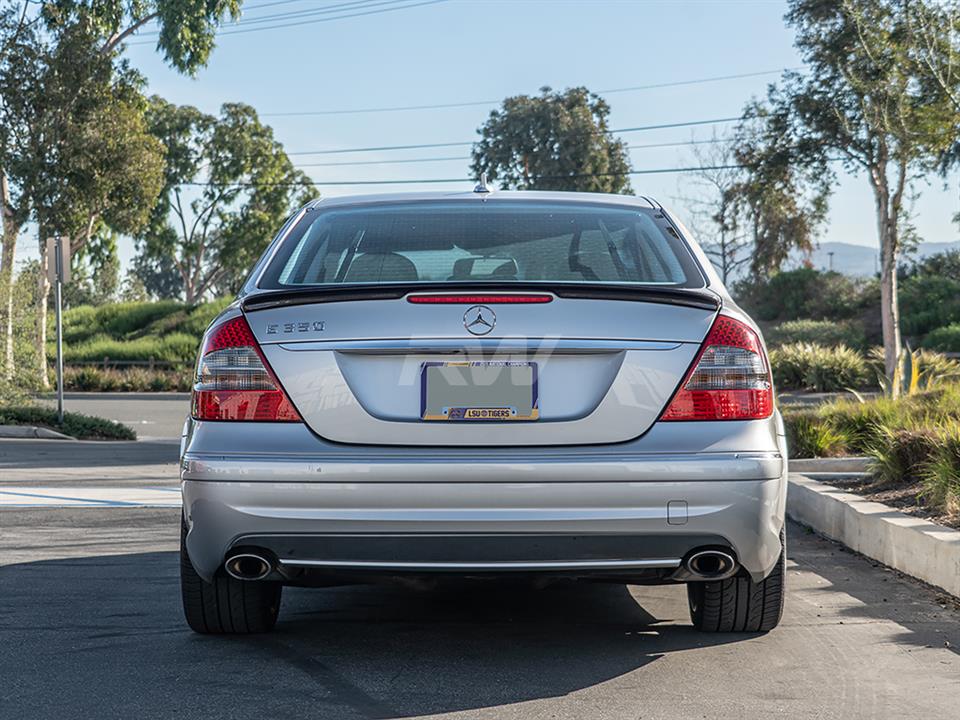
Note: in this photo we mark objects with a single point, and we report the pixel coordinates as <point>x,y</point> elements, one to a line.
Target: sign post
<point>58,270</point>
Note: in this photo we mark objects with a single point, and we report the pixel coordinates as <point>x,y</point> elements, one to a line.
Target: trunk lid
<point>607,361</point>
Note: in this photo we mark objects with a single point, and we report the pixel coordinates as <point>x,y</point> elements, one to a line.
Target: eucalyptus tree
<point>15,27</point>
<point>552,141</point>
<point>186,29</point>
<point>78,149</point>
<point>45,48</point>
<point>869,103</point>
<point>228,185</point>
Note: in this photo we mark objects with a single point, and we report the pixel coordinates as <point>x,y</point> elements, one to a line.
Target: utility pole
<point>58,270</point>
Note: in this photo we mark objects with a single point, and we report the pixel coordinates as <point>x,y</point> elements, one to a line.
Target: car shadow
<point>104,637</point>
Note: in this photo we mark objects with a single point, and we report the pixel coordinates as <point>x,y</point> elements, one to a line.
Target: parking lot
<point>91,626</point>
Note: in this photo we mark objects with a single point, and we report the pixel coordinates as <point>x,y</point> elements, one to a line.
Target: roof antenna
<point>482,187</point>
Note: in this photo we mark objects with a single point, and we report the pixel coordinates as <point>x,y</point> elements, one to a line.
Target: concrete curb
<point>830,465</point>
<point>909,544</point>
<point>32,432</point>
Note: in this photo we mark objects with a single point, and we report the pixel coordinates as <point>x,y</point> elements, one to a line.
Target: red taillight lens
<point>729,380</point>
<point>234,381</point>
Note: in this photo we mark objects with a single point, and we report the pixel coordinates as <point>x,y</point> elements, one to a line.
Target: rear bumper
<point>635,505</point>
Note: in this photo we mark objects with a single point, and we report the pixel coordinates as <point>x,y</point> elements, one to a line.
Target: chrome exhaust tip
<point>710,565</point>
<point>248,566</point>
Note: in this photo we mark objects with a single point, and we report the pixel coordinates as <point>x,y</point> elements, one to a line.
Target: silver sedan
<point>549,385</point>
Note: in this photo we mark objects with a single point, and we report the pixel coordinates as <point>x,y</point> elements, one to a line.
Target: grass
<point>82,427</point>
<point>914,439</point>
<point>167,331</point>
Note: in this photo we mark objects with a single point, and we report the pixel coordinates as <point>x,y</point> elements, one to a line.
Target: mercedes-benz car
<point>532,385</point>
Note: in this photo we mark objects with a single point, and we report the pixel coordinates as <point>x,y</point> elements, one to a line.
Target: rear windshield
<point>493,241</point>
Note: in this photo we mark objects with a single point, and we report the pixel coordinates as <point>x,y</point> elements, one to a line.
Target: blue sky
<point>467,50</point>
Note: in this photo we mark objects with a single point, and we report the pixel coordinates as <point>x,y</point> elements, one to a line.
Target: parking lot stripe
<point>89,497</point>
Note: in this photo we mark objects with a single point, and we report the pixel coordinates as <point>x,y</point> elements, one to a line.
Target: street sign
<point>58,272</point>
<point>58,264</point>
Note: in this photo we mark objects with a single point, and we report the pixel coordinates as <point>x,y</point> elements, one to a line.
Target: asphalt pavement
<point>152,415</point>
<point>91,627</point>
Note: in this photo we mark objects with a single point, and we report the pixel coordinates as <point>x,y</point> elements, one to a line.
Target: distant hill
<point>860,260</point>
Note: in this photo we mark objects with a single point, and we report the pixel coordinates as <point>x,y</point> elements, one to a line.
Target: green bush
<point>808,436</point>
<point>928,302</point>
<point>84,427</point>
<point>806,366</point>
<point>899,453</point>
<point>821,332</point>
<point>135,379</point>
<point>806,293</point>
<point>944,339</point>
<point>940,474</point>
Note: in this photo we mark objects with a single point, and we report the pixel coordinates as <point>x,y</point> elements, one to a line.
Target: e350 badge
<point>296,327</point>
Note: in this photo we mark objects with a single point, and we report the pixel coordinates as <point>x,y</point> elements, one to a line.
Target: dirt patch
<point>906,497</point>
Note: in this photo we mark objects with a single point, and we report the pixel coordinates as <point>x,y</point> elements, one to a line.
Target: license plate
<point>478,391</point>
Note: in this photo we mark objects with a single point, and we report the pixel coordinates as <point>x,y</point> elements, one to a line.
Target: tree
<point>186,32</point>
<point>781,198</point>
<point>29,37</point>
<point>155,276</point>
<point>552,141</point>
<point>95,272</point>
<point>14,24</point>
<point>713,209</point>
<point>78,146</point>
<point>228,187</point>
<point>869,101</point>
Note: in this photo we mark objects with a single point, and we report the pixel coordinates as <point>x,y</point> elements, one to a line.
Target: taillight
<point>729,380</point>
<point>502,299</point>
<point>234,380</point>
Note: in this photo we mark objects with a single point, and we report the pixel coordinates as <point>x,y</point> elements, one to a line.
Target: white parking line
<point>89,497</point>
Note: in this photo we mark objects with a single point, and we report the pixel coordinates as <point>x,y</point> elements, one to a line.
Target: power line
<point>469,143</point>
<point>430,181</point>
<point>326,10</point>
<point>245,21</point>
<point>315,21</point>
<point>475,103</point>
<point>468,157</point>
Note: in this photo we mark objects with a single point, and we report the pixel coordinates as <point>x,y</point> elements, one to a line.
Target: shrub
<point>84,427</point>
<point>822,369</point>
<point>863,423</point>
<point>136,379</point>
<point>928,302</point>
<point>806,293</point>
<point>821,332</point>
<point>915,437</point>
<point>808,436</point>
<point>941,473</point>
<point>789,365</point>
<point>945,339</point>
<point>898,454</point>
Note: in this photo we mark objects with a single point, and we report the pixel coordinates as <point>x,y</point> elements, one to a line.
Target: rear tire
<point>226,605</point>
<point>738,604</point>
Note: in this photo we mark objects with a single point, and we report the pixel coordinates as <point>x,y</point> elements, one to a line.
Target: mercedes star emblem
<point>479,320</point>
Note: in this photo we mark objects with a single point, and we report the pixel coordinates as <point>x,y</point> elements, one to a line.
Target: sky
<point>398,53</point>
